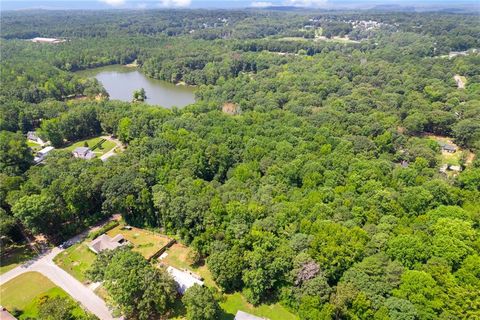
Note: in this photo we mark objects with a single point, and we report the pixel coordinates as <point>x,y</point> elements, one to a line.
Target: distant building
<point>42,154</point>
<point>246,316</point>
<point>47,40</point>
<point>32,135</point>
<point>183,279</point>
<point>83,153</point>
<point>5,315</point>
<point>104,242</point>
<point>447,147</point>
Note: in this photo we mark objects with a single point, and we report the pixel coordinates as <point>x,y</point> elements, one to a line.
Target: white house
<point>32,136</point>
<point>246,316</point>
<point>183,279</point>
<point>42,154</point>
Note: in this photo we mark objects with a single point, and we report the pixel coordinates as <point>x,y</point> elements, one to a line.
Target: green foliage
<point>141,290</point>
<point>15,155</point>
<point>200,303</point>
<point>322,191</point>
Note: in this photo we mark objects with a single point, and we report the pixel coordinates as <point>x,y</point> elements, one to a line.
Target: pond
<point>120,83</point>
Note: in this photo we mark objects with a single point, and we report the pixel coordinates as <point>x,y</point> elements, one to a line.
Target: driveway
<point>45,265</point>
<point>112,152</point>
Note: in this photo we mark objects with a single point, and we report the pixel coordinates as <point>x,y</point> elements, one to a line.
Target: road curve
<point>45,265</point>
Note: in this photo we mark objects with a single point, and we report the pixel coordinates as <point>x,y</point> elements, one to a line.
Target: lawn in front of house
<point>178,256</point>
<point>236,301</point>
<point>76,260</point>
<point>106,146</point>
<point>143,241</point>
<point>24,293</point>
<point>13,256</point>
<point>34,146</point>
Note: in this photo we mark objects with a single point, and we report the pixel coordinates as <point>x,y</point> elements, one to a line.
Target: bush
<point>109,226</point>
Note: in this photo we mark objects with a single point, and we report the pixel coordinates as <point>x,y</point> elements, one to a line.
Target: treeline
<point>320,192</point>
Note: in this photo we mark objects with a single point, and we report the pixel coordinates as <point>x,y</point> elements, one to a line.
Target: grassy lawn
<point>34,146</point>
<point>99,151</point>
<point>24,293</point>
<point>14,256</point>
<point>76,260</point>
<point>178,257</point>
<point>236,301</point>
<point>145,242</point>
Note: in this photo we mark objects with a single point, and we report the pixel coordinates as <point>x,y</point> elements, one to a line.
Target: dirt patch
<point>230,108</point>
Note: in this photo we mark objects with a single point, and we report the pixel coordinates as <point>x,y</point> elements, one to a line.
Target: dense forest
<point>304,173</point>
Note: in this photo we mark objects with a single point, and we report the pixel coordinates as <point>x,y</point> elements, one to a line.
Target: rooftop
<point>104,242</point>
<point>183,279</point>
<point>246,316</point>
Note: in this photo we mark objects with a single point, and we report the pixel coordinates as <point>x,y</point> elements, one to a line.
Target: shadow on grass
<point>15,255</point>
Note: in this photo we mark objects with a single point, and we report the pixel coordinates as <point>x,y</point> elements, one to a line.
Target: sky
<point>151,4</point>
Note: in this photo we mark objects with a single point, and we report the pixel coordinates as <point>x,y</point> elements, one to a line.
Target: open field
<point>24,292</point>
<point>76,260</point>
<point>144,241</point>
<point>13,257</point>
<point>99,151</point>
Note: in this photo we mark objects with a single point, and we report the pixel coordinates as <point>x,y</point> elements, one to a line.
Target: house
<point>447,147</point>
<point>183,279</point>
<point>104,242</point>
<point>246,316</point>
<point>32,135</point>
<point>83,153</point>
<point>42,154</point>
<point>47,40</point>
<point>5,315</point>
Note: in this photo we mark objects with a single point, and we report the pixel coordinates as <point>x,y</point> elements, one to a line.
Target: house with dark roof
<point>447,147</point>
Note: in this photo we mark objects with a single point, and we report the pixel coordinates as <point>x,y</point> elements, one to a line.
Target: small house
<point>42,154</point>
<point>32,136</point>
<point>183,279</point>
<point>83,153</point>
<point>104,242</point>
<point>447,147</point>
<point>246,316</point>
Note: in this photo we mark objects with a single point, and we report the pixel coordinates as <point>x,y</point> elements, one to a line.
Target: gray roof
<point>246,316</point>
<point>81,149</point>
<point>104,242</point>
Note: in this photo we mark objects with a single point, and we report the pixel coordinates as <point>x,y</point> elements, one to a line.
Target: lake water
<point>120,83</point>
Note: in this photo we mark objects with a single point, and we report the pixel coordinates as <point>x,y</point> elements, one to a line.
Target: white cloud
<point>114,3</point>
<point>306,3</point>
<point>261,4</point>
<point>142,6</point>
<point>175,3</point>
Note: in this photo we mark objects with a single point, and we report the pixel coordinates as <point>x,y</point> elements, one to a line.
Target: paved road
<point>45,265</point>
